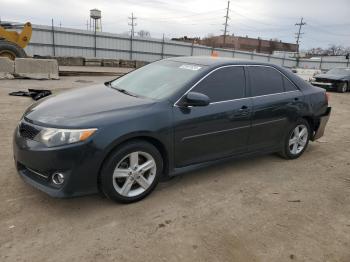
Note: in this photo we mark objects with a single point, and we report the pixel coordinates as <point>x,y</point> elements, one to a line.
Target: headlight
<point>57,137</point>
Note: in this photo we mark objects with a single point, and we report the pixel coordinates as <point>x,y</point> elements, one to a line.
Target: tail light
<point>327,97</point>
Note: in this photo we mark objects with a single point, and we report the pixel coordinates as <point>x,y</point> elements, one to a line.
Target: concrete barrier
<point>7,68</point>
<point>127,63</point>
<point>70,61</point>
<point>139,64</point>
<point>110,62</point>
<point>93,62</point>
<point>36,68</point>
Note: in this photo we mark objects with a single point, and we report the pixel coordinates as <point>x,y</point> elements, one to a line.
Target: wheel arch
<point>313,123</point>
<point>148,138</point>
<point>310,120</point>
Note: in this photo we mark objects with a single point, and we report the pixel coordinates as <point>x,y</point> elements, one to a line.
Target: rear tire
<point>131,172</point>
<point>343,87</point>
<point>11,50</point>
<point>296,140</point>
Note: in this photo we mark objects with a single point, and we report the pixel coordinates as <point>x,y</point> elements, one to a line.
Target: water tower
<point>95,17</point>
<point>95,20</point>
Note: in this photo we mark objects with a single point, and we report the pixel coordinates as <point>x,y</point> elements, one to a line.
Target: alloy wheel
<point>298,139</point>
<point>344,88</point>
<point>134,174</point>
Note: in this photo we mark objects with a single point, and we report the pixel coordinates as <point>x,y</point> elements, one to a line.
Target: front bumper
<point>37,163</point>
<point>326,85</point>
<point>322,124</point>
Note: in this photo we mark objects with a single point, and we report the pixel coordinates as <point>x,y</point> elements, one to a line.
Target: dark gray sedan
<point>337,79</point>
<point>120,138</point>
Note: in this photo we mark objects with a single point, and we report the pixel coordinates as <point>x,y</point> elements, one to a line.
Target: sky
<point>327,22</point>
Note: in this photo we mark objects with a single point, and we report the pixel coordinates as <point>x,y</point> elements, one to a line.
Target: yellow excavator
<point>13,42</point>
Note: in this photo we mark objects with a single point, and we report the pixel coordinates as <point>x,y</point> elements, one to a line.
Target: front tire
<point>343,87</point>
<point>131,172</point>
<point>296,140</point>
<point>11,50</point>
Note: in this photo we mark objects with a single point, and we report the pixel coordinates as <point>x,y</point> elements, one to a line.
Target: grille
<point>324,80</point>
<point>30,172</point>
<point>28,131</point>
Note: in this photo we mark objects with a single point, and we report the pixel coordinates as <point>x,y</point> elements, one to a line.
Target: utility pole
<point>298,36</point>
<point>53,38</point>
<point>132,24</point>
<point>226,20</point>
<point>95,37</point>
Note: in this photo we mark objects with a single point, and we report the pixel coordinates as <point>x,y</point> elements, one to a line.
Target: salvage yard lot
<point>258,209</point>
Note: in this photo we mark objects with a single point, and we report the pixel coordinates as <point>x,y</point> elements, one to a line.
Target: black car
<point>121,137</point>
<point>337,79</point>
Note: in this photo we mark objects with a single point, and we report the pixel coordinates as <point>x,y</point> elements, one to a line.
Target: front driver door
<point>219,129</point>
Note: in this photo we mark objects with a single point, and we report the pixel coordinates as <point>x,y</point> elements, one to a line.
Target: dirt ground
<point>258,209</point>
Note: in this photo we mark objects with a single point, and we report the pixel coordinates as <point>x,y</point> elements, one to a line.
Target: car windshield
<point>157,80</point>
<point>339,71</point>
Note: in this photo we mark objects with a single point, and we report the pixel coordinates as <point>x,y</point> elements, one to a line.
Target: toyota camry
<point>119,138</point>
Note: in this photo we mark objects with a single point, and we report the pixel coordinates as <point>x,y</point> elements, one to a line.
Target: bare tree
<point>209,40</point>
<point>335,50</point>
<point>144,34</point>
<point>332,50</point>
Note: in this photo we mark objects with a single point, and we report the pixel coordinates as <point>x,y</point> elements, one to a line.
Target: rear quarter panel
<point>316,98</point>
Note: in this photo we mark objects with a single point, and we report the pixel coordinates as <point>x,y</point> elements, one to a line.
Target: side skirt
<point>181,170</point>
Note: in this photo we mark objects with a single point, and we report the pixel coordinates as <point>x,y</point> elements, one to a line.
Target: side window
<point>223,84</point>
<point>288,85</point>
<point>265,80</point>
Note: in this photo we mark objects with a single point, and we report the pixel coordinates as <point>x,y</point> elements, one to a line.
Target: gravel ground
<point>258,209</point>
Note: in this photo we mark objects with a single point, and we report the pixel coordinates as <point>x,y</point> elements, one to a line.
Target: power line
<point>132,24</point>
<point>226,20</point>
<point>212,12</point>
<point>321,29</point>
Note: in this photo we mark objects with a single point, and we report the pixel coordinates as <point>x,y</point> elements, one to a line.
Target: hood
<point>84,107</point>
<point>331,76</point>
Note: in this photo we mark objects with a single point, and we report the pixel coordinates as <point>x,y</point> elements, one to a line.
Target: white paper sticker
<point>190,67</point>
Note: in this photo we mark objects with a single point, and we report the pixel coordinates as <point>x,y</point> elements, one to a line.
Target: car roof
<point>215,61</point>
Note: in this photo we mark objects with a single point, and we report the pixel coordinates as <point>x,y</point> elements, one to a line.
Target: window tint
<point>288,85</point>
<point>265,80</point>
<point>224,84</point>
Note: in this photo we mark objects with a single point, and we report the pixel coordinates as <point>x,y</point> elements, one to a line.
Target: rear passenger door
<point>275,102</point>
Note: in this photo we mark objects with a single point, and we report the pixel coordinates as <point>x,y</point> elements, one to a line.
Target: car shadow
<point>205,173</point>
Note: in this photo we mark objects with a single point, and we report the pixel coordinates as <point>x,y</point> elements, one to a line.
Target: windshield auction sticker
<point>190,67</point>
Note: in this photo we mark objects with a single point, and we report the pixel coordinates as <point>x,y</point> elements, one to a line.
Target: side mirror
<point>196,99</point>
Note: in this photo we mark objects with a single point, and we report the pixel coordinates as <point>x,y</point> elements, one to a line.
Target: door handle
<point>243,111</point>
<point>296,98</point>
<point>243,108</point>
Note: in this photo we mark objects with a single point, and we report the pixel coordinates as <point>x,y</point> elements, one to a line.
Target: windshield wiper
<point>108,83</point>
<point>125,91</point>
<point>121,90</point>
